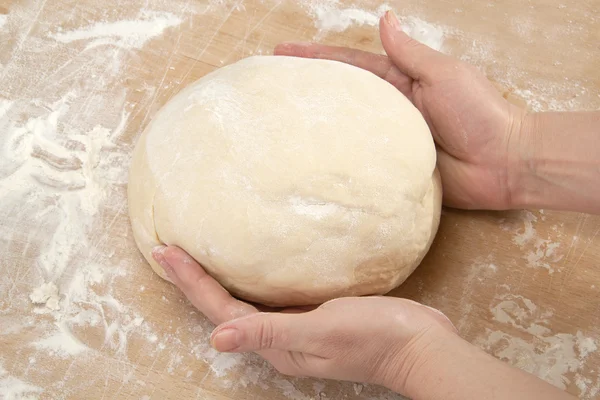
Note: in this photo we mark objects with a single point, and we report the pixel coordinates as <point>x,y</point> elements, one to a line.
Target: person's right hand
<point>476,130</point>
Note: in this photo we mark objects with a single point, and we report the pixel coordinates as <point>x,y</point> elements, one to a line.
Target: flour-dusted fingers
<point>378,64</point>
<point>202,290</point>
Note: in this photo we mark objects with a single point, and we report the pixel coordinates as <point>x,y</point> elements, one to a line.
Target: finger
<point>269,331</point>
<point>205,293</point>
<point>410,56</point>
<point>202,290</point>
<point>379,65</point>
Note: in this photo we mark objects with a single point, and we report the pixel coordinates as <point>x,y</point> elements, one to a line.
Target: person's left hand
<point>380,340</point>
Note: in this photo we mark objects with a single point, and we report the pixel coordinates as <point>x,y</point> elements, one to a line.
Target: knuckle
<point>265,334</point>
<point>407,41</point>
<point>390,73</point>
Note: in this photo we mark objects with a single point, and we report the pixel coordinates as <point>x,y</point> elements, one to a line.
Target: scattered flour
<point>557,358</point>
<point>539,95</point>
<point>12,388</point>
<point>62,342</point>
<point>62,175</point>
<point>47,295</point>
<point>331,16</point>
<point>539,253</point>
<point>3,20</point>
<point>358,388</point>
<point>515,310</point>
<point>4,107</point>
<point>45,162</point>
<point>528,233</point>
<point>222,363</point>
<point>424,32</point>
<point>290,391</point>
<point>479,272</point>
<point>131,34</point>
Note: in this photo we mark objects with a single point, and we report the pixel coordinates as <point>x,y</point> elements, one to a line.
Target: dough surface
<point>292,181</point>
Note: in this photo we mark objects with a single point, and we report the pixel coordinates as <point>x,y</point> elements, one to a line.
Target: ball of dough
<point>292,181</point>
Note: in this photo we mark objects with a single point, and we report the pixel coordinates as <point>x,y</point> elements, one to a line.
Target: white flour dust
<point>539,94</point>
<point>62,176</point>
<point>62,342</point>
<point>130,34</point>
<point>331,16</point>
<point>480,271</point>
<point>538,252</point>
<point>536,91</point>
<point>12,388</point>
<point>47,295</point>
<point>43,161</point>
<point>523,333</point>
<point>559,358</point>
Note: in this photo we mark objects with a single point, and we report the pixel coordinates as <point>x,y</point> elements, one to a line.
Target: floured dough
<point>292,181</point>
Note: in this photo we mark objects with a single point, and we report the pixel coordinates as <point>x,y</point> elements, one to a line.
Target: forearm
<point>559,162</point>
<point>456,370</point>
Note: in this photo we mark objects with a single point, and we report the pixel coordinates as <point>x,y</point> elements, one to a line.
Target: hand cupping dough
<point>292,181</point>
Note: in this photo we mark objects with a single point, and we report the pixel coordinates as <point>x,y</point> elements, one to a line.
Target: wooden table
<point>79,80</point>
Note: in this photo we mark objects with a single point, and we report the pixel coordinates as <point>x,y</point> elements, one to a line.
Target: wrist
<point>555,162</point>
<point>520,158</point>
<point>421,362</point>
<point>442,365</point>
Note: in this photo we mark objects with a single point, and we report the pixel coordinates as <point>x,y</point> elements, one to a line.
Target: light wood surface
<point>523,285</point>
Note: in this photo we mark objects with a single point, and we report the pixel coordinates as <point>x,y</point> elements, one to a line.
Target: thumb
<point>410,56</point>
<point>261,331</point>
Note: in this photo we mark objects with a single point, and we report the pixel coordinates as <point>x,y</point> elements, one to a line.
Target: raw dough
<point>292,181</point>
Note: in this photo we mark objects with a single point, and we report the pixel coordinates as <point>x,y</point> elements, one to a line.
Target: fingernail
<point>226,340</point>
<point>391,19</point>
<point>158,253</point>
